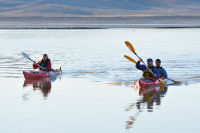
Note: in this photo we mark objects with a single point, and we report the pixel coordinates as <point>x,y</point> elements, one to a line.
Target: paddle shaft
<point>173,80</point>
<point>27,57</point>
<point>35,63</point>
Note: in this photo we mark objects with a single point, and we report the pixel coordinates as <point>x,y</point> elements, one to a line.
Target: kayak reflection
<point>149,96</point>
<point>42,84</point>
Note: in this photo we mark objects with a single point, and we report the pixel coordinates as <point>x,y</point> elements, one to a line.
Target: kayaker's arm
<point>155,71</point>
<point>35,66</point>
<point>163,72</point>
<point>140,67</point>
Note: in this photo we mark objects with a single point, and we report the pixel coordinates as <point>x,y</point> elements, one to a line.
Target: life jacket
<point>159,69</point>
<point>147,73</point>
<point>43,64</point>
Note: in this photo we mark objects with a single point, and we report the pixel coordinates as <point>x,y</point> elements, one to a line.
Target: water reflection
<point>149,98</point>
<point>41,84</point>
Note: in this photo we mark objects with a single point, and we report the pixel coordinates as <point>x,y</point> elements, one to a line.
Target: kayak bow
<point>149,81</point>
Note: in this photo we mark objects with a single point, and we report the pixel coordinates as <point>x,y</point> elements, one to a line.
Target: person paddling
<point>146,72</point>
<point>44,62</point>
<point>161,70</point>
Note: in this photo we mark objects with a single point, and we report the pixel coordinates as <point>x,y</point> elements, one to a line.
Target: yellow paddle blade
<point>129,45</point>
<point>161,83</point>
<point>129,58</point>
<point>177,81</point>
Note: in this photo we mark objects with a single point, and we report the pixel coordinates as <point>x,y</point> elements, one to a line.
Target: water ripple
<point>99,53</point>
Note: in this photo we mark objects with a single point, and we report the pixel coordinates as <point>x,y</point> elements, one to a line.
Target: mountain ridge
<point>97,8</point>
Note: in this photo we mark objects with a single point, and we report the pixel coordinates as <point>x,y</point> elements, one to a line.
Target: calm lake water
<point>94,93</point>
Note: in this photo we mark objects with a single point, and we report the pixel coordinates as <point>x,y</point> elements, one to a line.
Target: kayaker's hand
<point>140,60</point>
<point>163,76</point>
<point>155,75</point>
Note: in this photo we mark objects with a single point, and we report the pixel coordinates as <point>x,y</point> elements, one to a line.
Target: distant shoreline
<point>96,28</point>
<point>100,23</point>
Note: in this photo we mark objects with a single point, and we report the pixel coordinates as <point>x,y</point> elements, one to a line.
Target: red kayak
<point>41,74</point>
<point>149,81</point>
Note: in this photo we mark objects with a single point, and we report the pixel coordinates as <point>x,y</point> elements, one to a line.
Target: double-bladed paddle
<point>129,45</point>
<point>132,60</point>
<point>26,56</point>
